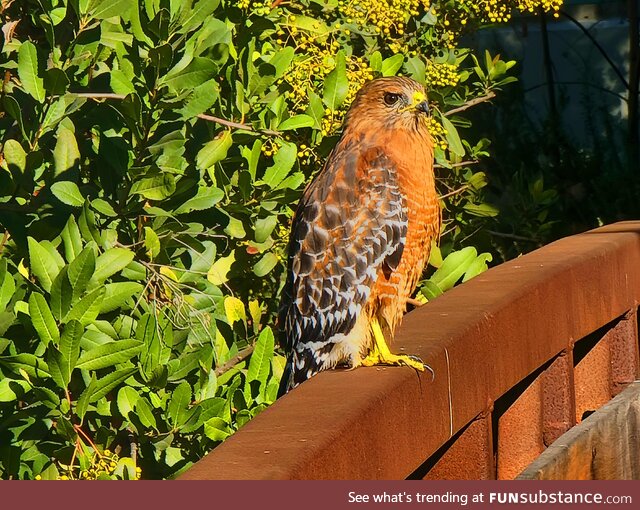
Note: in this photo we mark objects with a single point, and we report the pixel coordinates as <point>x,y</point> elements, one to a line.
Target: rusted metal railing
<point>521,353</point>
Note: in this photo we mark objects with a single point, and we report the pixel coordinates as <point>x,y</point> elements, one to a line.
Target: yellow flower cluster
<point>546,5</point>
<point>442,75</point>
<point>385,15</point>
<point>271,146</point>
<point>310,72</point>
<point>499,11</point>
<point>102,464</point>
<point>259,7</point>
<point>358,72</point>
<point>438,133</point>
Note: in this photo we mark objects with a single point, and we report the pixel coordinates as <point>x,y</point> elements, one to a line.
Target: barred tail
<point>286,383</point>
<point>298,369</point>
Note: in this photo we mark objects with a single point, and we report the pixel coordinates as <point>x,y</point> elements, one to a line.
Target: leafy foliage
<point>152,151</point>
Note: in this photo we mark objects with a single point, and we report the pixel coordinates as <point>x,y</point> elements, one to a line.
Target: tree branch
<point>98,95</point>
<point>512,236</point>
<point>456,165</point>
<point>238,358</point>
<point>237,125</point>
<point>203,116</point>
<point>490,95</point>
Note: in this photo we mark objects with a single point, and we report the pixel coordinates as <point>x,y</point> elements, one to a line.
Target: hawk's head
<point>390,103</point>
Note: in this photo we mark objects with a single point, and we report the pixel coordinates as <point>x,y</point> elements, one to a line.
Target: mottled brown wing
<point>350,223</point>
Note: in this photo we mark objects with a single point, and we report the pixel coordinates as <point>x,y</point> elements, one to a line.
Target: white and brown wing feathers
<point>350,224</point>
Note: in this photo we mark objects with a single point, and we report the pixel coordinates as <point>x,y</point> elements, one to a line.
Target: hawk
<point>361,236</point>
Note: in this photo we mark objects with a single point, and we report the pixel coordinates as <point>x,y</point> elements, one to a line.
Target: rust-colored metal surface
<point>469,457</point>
<point>483,339</point>
<point>558,398</point>
<point>520,432</point>
<point>592,379</point>
<point>624,352</point>
<point>603,447</point>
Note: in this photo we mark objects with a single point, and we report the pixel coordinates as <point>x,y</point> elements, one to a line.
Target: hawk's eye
<point>390,98</point>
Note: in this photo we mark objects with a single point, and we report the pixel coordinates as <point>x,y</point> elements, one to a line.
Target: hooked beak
<point>419,103</point>
<point>423,107</point>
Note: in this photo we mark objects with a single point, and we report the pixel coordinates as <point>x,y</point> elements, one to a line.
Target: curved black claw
<point>426,367</point>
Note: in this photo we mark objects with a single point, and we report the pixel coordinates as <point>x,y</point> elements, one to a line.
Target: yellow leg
<point>381,355</point>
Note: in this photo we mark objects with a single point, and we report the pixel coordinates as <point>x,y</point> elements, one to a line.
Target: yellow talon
<point>381,355</point>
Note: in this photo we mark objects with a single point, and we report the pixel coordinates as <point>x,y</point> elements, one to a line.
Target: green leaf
<point>260,363</point>
<point>110,382</point>
<point>157,187</point>
<point>198,71</point>
<point>453,267</point>
<point>191,18</point>
<point>32,365</point>
<point>151,243</point>
<point>120,83</point>
<point>482,210</point>
<point>234,310</point>
<point>85,397</point>
<point>61,295</point>
<point>283,162</point>
<point>110,262</point>
<point>81,270</point>
<point>453,139</point>
<point>264,227</point>
<point>46,395</point>
<point>217,429</point>
<point>103,207</point>
<point>42,319</point>
<point>179,404</point>
<point>435,255</point>
<point>205,199</point>
<point>336,84</point>
<point>296,122</point>
<point>375,61</point>
<point>391,65</point>
<point>12,389</point>
<point>127,399</point>
<point>214,151</point>
<point>235,228</point>
<point>145,414</point>
<point>201,99</point>
<point>66,156</point>
<point>7,285</point>
<point>157,337</point>
<point>218,273</point>
<point>103,9</point>
<point>116,295</point>
<point>87,309</point>
<point>55,81</point>
<point>109,354</point>
<point>72,239</point>
<point>14,155</point>
<point>479,265</point>
<point>430,290</point>
<point>255,311</point>
<point>62,361</point>
<point>12,107</point>
<point>28,71</point>
<point>43,265</point>
<point>315,110</point>
<point>264,266</point>
<point>416,68</point>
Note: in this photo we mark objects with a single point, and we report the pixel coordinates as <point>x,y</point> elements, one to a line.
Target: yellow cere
<point>418,97</point>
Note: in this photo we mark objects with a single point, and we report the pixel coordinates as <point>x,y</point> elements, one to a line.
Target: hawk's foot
<point>394,359</point>
<point>381,355</point>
